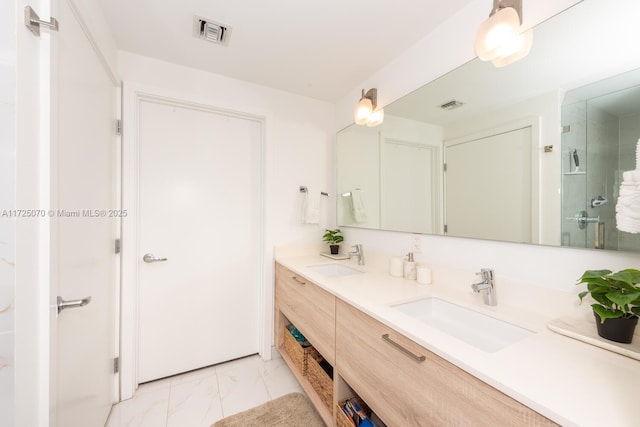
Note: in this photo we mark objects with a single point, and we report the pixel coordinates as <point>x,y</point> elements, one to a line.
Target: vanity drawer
<point>310,308</point>
<point>407,385</point>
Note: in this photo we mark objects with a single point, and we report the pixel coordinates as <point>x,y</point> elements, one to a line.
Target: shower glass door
<point>599,141</point>
<point>574,176</point>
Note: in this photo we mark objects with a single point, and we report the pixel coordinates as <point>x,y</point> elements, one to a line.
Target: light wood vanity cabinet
<point>310,308</point>
<point>405,384</point>
<point>408,385</point>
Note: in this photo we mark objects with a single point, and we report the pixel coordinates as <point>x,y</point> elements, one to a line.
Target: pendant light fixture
<point>500,38</point>
<point>365,112</point>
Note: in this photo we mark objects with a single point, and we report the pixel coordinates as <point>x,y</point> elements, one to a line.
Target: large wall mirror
<point>534,153</point>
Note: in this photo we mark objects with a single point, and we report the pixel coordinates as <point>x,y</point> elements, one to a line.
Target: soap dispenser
<point>409,269</point>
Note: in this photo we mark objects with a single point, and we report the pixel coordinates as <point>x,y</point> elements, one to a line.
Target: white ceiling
<point>321,49</point>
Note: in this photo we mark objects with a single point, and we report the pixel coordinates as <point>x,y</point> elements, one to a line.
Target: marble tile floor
<point>199,398</point>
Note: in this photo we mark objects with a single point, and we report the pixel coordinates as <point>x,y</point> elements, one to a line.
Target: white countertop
<point>568,381</point>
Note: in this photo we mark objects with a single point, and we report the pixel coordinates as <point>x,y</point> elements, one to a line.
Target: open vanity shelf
<point>327,391</point>
<point>298,361</point>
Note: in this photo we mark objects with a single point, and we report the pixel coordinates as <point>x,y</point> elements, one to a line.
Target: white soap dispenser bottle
<point>409,268</point>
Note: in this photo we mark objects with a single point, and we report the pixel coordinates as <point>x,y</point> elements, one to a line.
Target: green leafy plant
<point>617,294</point>
<point>333,237</point>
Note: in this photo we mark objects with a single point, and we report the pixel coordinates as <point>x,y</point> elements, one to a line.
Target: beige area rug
<point>291,410</point>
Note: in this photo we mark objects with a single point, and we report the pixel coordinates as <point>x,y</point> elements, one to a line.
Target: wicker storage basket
<point>296,352</point>
<point>321,382</point>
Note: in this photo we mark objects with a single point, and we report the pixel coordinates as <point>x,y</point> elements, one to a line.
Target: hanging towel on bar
<point>357,206</point>
<point>311,207</point>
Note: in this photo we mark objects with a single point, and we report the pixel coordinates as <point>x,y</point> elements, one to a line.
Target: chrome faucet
<point>487,286</point>
<point>358,252</point>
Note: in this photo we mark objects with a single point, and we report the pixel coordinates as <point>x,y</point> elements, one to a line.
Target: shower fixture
<point>576,159</point>
<point>598,201</point>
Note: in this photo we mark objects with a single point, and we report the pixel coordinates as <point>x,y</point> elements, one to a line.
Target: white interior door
<point>199,207</point>
<point>84,228</point>
<point>409,186</point>
<point>480,173</point>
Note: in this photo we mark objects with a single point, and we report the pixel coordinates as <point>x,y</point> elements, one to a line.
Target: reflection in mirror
<point>491,184</point>
<point>530,153</point>
<point>601,127</point>
<point>389,176</point>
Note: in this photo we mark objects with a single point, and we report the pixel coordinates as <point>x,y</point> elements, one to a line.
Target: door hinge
<point>118,127</point>
<point>116,365</point>
<point>118,246</point>
<point>566,129</point>
<point>444,167</point>
<point>445,228</point>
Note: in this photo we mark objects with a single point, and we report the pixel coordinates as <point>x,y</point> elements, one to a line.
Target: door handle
<point>149,258</point>
<point>75,303</point>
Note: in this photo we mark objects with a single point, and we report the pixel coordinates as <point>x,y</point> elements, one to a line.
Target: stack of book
<point>357,415</point>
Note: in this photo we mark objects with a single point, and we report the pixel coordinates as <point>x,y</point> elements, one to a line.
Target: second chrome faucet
<point>487,286</point>
<point>358,252</point>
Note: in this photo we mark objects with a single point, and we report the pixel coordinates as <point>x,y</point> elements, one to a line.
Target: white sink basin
<point>334,270</point>
<point>483,332</point>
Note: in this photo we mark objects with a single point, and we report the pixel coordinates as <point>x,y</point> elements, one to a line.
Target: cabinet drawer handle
<point>298,280</point>
<point>402,349</point>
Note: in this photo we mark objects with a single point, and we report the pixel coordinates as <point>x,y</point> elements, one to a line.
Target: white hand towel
<point>311,207</point>
<point>357,206</point>
<point>628,205</point>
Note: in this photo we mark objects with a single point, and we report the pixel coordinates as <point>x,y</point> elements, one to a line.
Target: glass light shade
<point>376,118</point>
<point>498,35</point>
<point>363,111</point>
<point>524,43</point>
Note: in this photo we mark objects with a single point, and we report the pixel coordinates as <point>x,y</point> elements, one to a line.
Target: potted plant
<point>617,306</point>
<point>333,238</point>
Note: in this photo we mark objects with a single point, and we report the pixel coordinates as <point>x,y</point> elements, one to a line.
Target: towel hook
<point>303,189</point>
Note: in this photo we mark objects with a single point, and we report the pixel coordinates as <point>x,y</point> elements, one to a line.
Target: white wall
<point>536,265</point>
<point>7,202</point>
<point>32,191</point>
<point>91,17</point>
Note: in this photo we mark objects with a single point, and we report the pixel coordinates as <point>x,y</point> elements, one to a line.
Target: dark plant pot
<point>335,249</point>
<point>619,330</point>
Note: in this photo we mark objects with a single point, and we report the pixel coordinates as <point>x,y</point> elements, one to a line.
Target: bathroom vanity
<point>413,373</point>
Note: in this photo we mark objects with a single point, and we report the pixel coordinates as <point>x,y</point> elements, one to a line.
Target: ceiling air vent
<point>451,105</point>
<point>212,31</point>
